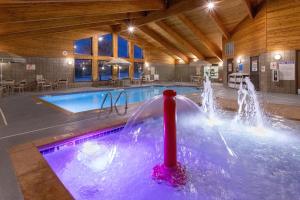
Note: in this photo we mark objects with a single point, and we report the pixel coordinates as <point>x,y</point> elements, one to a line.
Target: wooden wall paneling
<point>250,37</point>
<point>283,25</point>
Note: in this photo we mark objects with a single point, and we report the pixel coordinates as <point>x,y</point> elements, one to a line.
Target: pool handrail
<point>111,101</point>
<point>126,98</point>
<point>3,117</point>
<point>126,102</point>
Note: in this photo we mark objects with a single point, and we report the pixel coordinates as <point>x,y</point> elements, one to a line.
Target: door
<point>254,71</point>
<point>230,68</point>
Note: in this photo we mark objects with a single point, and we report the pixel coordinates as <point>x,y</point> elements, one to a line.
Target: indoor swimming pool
<point>86,101</point>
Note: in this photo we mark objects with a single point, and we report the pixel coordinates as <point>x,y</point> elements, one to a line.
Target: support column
<point>115,70</point>
<point>131,59</point>
<point>95,70</point>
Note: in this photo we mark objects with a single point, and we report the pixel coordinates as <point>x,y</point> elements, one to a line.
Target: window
<point>138,52</point>
<point>105,71</point>
<point>138,70</point>
<point>105,45</point>
<point>123,71</point>
<point>122,47</point>
<point>83,70</point>
<point>83,46</point>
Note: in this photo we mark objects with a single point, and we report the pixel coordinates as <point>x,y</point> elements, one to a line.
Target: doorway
<point>254,71</point>
<point>230,68</point>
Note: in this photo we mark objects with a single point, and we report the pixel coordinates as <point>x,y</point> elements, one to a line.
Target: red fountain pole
<point>171,171</point>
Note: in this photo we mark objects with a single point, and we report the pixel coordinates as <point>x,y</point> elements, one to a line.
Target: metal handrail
<point>111,101</point>
<point>3,117</point>
<point>126,101</point>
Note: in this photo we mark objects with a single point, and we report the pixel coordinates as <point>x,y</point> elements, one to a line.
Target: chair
<point>20,87</point>
<point>62,83</point>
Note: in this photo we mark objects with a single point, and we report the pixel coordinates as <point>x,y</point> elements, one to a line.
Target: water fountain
<point>171,170</point>
<point>208,104</point>
<point>249,110</point>
<point>224,161</point>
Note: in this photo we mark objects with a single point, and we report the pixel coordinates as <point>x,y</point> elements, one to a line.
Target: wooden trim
<point>186,44</point>
<point>197,32</point>
<point>151,33</point>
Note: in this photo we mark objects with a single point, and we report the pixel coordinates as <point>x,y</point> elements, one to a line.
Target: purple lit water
<point>224,160</point>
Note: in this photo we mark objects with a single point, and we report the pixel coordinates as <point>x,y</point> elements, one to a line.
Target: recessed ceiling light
<point>131,29</point>
<point>210,5</point>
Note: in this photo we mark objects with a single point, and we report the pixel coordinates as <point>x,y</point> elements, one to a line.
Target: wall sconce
<point>239,60</point>
<point>277,57</point>
<point>70,61</point>
<point>147,64</point>
<point>65,53</point>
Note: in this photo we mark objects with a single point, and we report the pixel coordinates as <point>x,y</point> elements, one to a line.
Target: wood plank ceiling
<point>185,29</point>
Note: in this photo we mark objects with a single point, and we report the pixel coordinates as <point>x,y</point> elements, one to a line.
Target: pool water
<point>254,163</point>
<point>85,101</point>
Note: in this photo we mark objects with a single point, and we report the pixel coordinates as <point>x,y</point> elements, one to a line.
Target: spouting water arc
<point>171,170</point>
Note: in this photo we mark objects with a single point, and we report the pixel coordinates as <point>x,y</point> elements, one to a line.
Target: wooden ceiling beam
<point>249,8</point>
<point>197,32</point>
<point>179,7</point>
<point>13,36</point>
<point>184,43</point>
<point>32,12</point>
<point>151,33</point>
<point>214,16</point>
<point>144,44</point>
<point>6,28</point>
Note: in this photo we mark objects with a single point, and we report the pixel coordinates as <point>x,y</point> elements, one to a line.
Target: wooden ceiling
<point>184,29</point>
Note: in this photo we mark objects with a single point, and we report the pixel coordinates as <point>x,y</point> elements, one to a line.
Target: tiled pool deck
<point>30,121</point>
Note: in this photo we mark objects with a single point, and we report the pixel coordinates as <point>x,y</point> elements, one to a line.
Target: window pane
<point>105,45</point>
<point>83,70</point>
<point>123,71</point>
<point>105,71</point>
<point>138,52</point>
<point>138,70</point>
<point>122,47</point>
<point>83,46</point>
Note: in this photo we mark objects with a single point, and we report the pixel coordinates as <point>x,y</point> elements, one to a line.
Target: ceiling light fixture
<point>131,29</point>
<point>210,5</point>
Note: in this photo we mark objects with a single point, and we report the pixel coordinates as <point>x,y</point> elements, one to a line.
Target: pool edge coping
<point>32,170</point>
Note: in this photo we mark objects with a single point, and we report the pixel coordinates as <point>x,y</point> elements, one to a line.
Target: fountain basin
<point>265,165</point>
